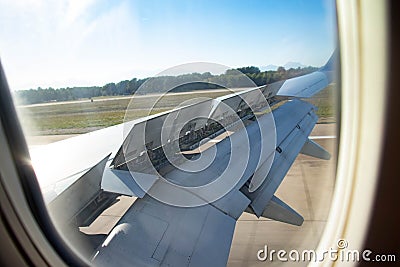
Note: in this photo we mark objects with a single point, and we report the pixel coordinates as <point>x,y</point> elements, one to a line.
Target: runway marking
<point>322,137</point>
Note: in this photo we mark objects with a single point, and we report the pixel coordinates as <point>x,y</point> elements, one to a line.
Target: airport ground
<point>81,116</point>
<point>307,188</point>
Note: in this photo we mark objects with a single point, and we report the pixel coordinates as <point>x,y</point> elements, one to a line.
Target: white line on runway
<point>322,137</point>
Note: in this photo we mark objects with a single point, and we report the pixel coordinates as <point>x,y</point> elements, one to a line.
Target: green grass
<point>86,116</point>
<point>325,102</point>
<point>81,117</point>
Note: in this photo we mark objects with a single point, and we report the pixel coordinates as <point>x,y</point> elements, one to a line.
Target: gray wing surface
<point>154,233</point>
<point>298,119</point>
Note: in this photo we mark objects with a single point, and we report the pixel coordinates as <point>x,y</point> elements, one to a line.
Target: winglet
<point>310,148</point>
<point>331,64</point>
<point>278,210</point>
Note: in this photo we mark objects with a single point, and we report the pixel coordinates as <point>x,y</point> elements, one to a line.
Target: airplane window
<point>181,132</point>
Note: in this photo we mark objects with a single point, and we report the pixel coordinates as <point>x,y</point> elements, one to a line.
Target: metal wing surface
<point>154,168</point>
<point>153,233</point>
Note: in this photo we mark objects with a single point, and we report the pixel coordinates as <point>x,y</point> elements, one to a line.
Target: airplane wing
<point>192,178</point>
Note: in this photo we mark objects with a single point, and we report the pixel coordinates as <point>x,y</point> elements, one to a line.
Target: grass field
<point>325,102</point>
<point>85,116</point>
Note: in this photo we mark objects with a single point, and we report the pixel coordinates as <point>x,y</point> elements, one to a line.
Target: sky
<point>65,43</point>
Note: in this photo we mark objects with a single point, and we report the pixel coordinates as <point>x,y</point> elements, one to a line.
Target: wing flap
<point>291,136</point>
<point>78,195</point>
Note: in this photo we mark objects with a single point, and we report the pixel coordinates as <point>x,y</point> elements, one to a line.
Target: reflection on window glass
<point>179,132</point>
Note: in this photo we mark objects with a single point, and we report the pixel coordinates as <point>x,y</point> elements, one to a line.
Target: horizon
<point>92,43</point>
<point>170,74</point>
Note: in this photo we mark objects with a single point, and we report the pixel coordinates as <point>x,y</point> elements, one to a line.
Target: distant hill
<point>289,65</point>
<point>269,68</point>
<point>293,65</point>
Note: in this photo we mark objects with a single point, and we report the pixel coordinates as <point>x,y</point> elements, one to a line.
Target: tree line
<point>231,78</point>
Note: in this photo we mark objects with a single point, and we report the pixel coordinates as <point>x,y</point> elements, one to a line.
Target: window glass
<point>158,124</point>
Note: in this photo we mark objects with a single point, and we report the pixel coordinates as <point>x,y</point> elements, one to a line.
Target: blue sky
<point>88,42</point>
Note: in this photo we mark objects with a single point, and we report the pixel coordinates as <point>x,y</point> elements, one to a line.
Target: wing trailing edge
<point>294,122</point>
